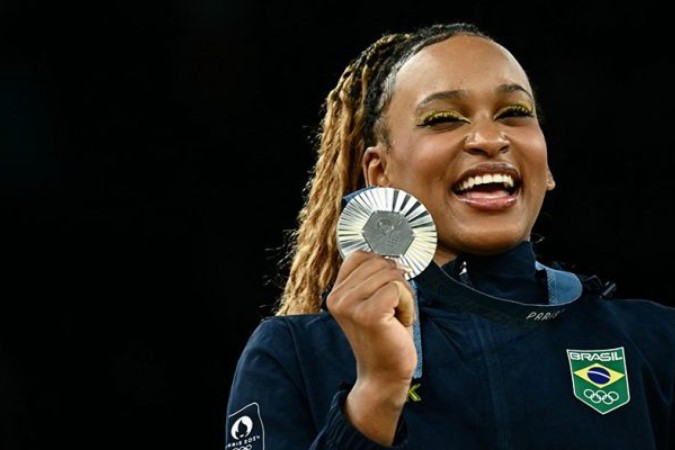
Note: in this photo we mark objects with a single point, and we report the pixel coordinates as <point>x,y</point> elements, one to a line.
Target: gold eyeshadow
<point>521,108</point>
<point>433,117</point>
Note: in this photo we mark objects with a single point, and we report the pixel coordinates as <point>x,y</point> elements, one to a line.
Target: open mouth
<point>487,185</point>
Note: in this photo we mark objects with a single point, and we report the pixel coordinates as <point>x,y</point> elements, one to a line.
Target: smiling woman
<point>452,136</point>
<point>501,349</point>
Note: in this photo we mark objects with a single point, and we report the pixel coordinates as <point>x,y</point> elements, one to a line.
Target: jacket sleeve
<point>269,407</point>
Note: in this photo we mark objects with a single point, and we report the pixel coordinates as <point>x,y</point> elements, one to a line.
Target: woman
<point>486,348</point>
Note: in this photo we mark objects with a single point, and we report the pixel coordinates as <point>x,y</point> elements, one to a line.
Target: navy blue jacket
<point>580,372</point>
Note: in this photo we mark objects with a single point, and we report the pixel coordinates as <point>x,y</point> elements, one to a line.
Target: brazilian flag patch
<point>599,378</point>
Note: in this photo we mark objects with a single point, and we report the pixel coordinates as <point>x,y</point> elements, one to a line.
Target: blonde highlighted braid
<point>350,125</point>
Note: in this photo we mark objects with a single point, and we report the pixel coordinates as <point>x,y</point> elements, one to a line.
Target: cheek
<point>424,175</point>
<point>531,144</point>
<point>428,158</point>
<point>534,139</point>
<point>420,173</point>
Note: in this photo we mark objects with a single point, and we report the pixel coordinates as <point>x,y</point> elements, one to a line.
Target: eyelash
<point>515,111</point>
<point>436,118</point>
<point>452,117</point>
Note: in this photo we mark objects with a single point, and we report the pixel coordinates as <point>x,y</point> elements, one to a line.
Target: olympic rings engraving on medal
<point>601,396</point>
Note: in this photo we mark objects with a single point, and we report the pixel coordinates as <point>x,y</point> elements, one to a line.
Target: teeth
<point>486,179</point>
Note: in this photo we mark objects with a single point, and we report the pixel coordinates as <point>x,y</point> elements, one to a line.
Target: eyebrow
<point>513,87</point>
<point>459,93</point>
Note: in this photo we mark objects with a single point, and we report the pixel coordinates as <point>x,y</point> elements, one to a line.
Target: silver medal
<point>389,222</point>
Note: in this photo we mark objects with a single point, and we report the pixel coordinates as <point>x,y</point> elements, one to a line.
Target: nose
<point>486,137</point>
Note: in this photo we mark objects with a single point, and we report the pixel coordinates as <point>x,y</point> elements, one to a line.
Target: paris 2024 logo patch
<point>599,378</point>
<point>245,429</point>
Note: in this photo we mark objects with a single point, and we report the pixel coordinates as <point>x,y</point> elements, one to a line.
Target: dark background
<point>152,154</point>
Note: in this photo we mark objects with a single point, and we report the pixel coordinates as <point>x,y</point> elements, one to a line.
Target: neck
<point>511,275</point>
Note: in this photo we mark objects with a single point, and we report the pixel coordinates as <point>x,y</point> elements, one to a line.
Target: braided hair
<point>351,123</point>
